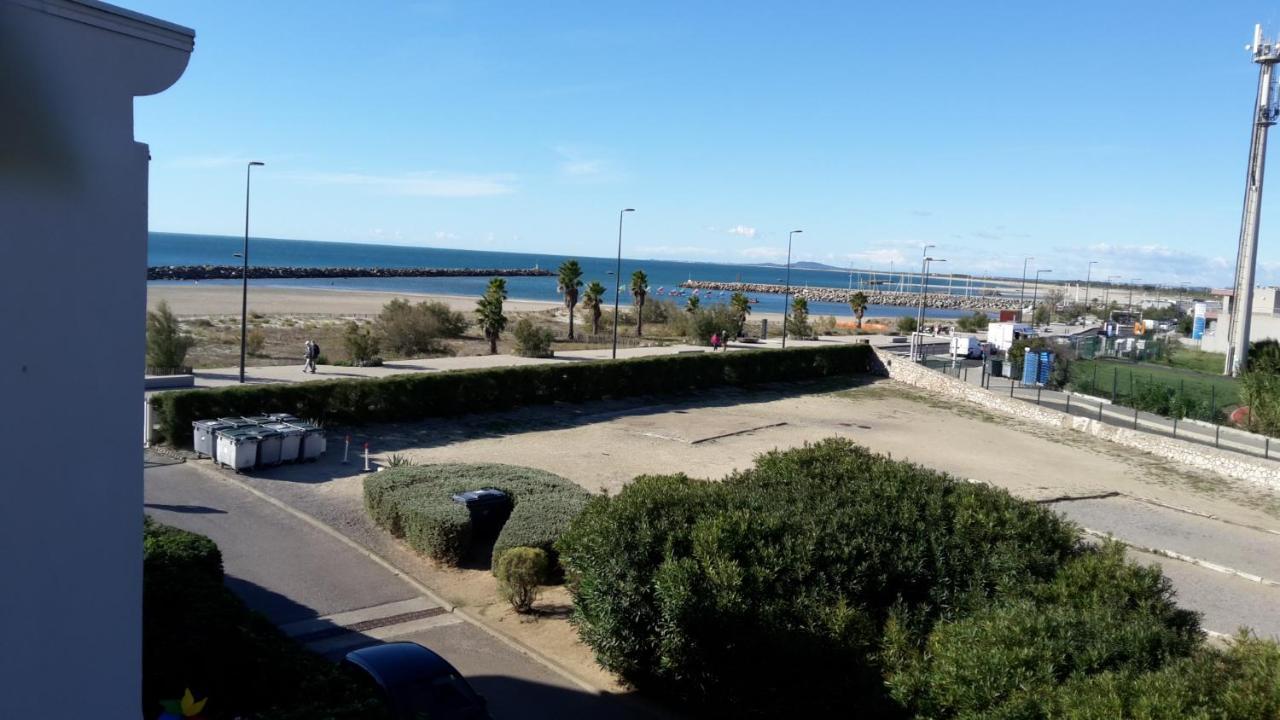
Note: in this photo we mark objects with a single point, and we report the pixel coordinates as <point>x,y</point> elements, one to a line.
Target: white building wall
<point>1261,327</point>
<point>73,199</point>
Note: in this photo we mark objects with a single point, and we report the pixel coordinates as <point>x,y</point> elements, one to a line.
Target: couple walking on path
<point>309,356</point>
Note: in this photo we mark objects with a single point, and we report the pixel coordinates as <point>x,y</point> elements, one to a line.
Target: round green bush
<point>415,503</point>
<point>520,571</point>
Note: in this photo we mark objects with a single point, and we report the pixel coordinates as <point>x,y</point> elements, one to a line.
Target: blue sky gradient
<point>1105,131</point>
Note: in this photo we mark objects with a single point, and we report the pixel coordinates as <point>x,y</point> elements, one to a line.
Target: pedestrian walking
<point>310,354</point>
<point>715,341</point>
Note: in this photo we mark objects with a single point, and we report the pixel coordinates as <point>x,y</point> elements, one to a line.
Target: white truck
<point>966,347</point>
<point>1001,335</point>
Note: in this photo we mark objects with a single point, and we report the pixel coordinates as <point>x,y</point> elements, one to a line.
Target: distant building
<point>1264,323</point>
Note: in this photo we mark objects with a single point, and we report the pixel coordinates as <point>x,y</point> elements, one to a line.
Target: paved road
<point>333,598</point>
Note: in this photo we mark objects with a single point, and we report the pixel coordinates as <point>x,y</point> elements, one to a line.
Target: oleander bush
<point>415,503</point>
<point>197,635</point>
<point>410,397</point>
<point>796,587</point>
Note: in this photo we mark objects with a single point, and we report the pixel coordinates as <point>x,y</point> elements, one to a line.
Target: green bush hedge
<point>415,503</point>
<point>196,634</point>
<point>416,396</point>
<point>769,594</point>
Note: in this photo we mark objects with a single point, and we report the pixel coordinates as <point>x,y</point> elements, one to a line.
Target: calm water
<point>664,275</point>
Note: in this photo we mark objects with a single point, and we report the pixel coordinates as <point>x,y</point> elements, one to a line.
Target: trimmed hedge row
<point>415,503</point>
<point>795,588</point>
<point>197,634</point>
<point>420,395</point>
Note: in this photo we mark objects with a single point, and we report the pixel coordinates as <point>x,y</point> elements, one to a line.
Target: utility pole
<point>1266,55</point>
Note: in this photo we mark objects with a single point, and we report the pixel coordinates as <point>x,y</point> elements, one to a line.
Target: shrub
<point>196,634</point>
<point>415,503</point>
<point>520,571</point>
<point>710,320</point>
<point>825,325</point>
<point>167,345</point>
<point>362,345</point>
<point>417,329</point>
<point>532,340</point>
<point>798,318</point>
<point>907,324</point>
<point>410,397</point>
<point>737,596</point>
<point>973,323</point>
<point>255,342</point>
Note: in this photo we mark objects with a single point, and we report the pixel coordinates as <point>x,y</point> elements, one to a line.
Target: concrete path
<point>333,598</point>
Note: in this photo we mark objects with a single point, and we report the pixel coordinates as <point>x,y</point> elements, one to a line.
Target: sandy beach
<point>204,300</point>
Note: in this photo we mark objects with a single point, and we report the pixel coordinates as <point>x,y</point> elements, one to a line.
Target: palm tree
<point>742,307</point>
<point>569,282</point>
<point>591,301</point>
<point>692,305</point>
<point>798,323</point>
<point>859,304</point>
<point>489,308</point>
<point>639,288</point>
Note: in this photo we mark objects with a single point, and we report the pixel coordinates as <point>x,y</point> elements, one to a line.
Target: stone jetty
<point>233,272</point>
<point>841,295</point>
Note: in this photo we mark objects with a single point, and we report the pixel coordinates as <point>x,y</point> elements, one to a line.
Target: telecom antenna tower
<point>1266,54</point>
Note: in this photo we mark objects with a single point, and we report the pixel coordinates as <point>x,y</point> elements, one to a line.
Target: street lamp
<point>1132,282</point>
<point>924,283</point>
<point>244,274</point>
<point>786,295</point>
<point>1035,293</point>
<point>1106,300</point>
<point>617,288</point>
<point>1022,288</point>
<point>1087,277</point>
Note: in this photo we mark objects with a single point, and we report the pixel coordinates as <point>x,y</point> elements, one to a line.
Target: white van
<point>968,347</point>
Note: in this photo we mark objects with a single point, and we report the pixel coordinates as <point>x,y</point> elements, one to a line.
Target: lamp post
<point>617,288</point>
<point>1035,293</point>
<point>924,283</point>
<point>1132,282</point>
<point>786,295</point>
<point>1106,301</point>
<point>1022,288</point>
<point>1087,277</point>
<point>244,274</point>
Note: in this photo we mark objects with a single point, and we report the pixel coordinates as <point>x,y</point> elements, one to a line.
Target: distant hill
<point>806,265</point>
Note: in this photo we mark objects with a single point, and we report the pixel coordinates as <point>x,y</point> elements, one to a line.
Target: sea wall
<point>842,295</point>
<point>233,272</point>
<point>1203,457</point>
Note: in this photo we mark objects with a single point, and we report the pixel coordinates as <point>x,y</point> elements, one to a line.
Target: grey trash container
<point>259,419</point>
<point>290,440</point>
<point>238,448</point>
<point>237,422</point>
<point>313,440</point>
<point>281,417</point>
<point>269,446</point>
<point>204,436</point>
<point>489,509</point>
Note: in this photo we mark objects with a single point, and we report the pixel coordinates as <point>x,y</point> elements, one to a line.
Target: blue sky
<point>1071,132</point>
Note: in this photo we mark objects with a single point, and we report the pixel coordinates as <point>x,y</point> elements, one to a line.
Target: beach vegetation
<point>489,309</point>
<point>362,345</point>
<point>255,342</point>
<point>639,291</point>
<point>975,322</point>
<point>569,283</point>
<point>167,345</point>
<point>907,324</point>
<point>798,318</point>
<point>691,305</point>
<point>718,319</point>
<point>419,329</point>
<point>592,301</point>
<point>533,340</point>
<point>858,304</point>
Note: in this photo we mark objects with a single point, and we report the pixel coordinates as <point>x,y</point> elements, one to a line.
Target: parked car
<point>418,683</point>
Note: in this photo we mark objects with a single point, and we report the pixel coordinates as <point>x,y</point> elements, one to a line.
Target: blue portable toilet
<point>1030,368</point>
<point>1046,367</point>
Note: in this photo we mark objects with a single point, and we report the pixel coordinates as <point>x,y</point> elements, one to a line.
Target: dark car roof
<point>393,664</point>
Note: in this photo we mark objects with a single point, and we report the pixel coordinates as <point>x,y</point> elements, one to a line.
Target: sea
<point>664,276</point>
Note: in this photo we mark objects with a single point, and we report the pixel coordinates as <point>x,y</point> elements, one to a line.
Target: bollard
<point>1068,403</point>
<point>1216,430</point>
<point>1099,411</point>
<point>346,446</point>
<point>1266,449</point>
<point>1175,426</point>
<point>1010,387</point>
<point>1135,418</point>
<point>1038,389</point>
<point>366,457</point>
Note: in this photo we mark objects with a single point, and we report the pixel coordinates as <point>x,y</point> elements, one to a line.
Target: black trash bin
<point>489,508</point>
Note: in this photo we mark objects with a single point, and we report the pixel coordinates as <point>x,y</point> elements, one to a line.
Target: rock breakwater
<point>233,272</point>
<point>841,295</point>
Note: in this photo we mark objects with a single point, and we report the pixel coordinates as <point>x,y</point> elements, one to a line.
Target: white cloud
<point>763,253</point>
<point>445,236</point>
<point>743,230</point>
<point>677,251</point>
<point>577,164</point>
<point>416,184</point>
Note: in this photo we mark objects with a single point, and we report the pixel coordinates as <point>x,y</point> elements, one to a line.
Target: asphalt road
<point>317,587</point>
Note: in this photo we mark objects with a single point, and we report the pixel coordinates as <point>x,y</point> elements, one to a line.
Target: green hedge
<point>197,634</point>
<point>415,503</point>
<point>416,396</point>
<point>792,588</point>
